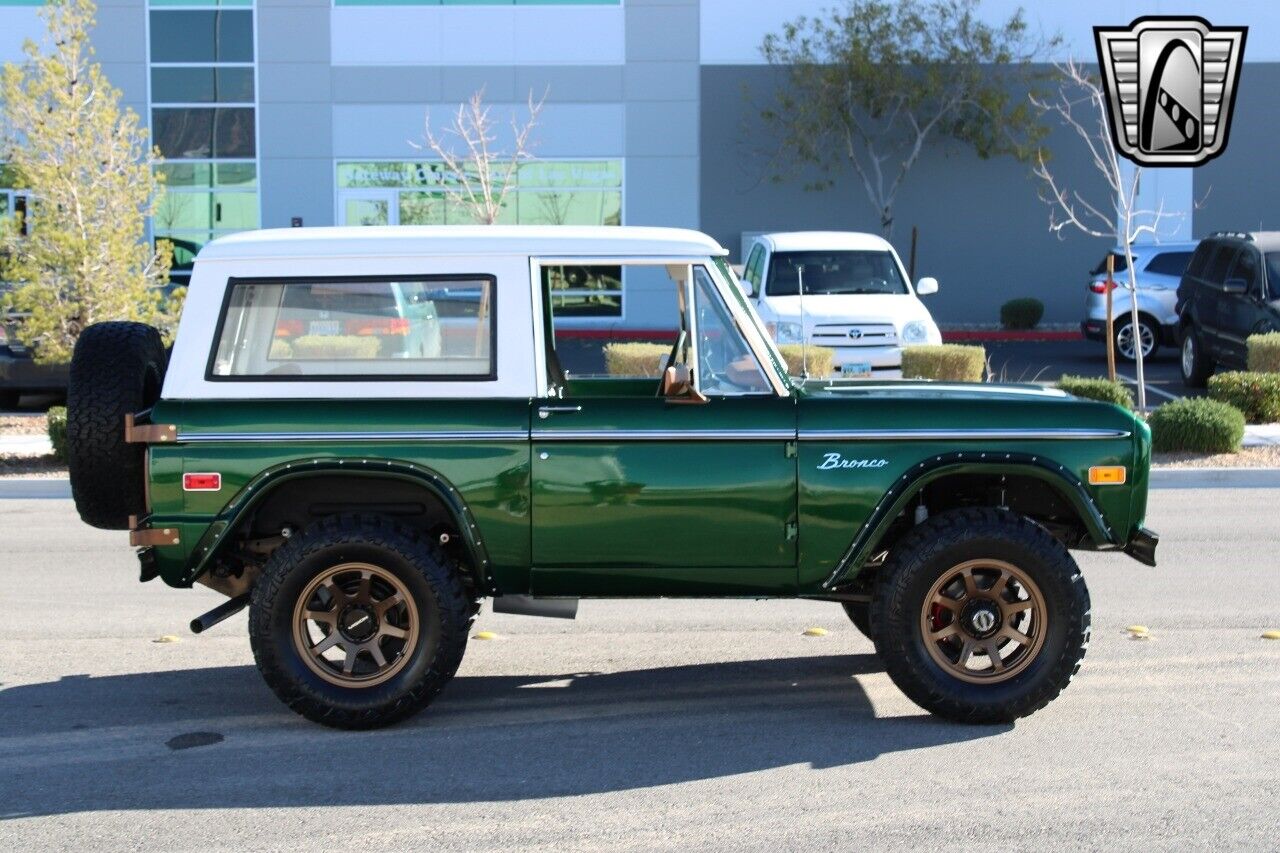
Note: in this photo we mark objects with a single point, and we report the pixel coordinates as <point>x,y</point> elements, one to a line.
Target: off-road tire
<point>1194,361</point>
<point>934,547</point>
<point>436,589</point>
<point>117,369</point>
<point>859,613</point>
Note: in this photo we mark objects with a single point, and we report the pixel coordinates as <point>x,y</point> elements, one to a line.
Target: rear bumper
<point>1142,546</point>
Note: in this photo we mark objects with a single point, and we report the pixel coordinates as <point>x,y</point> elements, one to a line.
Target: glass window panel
<point>194,210</point>
<point>366,211</point>
<point>186,174</point>
<point>422,209</point>
<point>237,175</point>
<point>201,85</point>
<point>585,174</point>
<point>202,132</point>
<point>330,328</point>
<point>570,207</point>
<point>201,2</point>
<point>584,291</point>
<point>202,35</point>
<point>4,205</point>
<point>726,365</point>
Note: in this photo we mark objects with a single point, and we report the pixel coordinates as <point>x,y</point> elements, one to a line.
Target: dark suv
<point>1231,290</point>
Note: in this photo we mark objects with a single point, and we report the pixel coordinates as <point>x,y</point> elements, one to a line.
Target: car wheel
<point>859,613</point>
<point>981,616</point>
<point>357,622</point>
<point>1148,335</point>
<point>1196,364</point>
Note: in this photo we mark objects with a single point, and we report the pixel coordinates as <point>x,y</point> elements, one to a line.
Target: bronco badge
<point>835,460</point>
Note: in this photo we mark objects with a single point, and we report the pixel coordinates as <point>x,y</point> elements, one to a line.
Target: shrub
<point>821,361</point>
<point>1097,389</point>
<point>1264,352</point>
<point>1257,395</point>
<point>58,432</point>
<point>336,346</point>
<point>948,362</point>
<point>1021,313</point>
<point>1198,424</point>
<point>635,359</point>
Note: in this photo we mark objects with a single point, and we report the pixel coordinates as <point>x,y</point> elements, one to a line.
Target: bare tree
<point>1080,104</point>
<point>481,173</point>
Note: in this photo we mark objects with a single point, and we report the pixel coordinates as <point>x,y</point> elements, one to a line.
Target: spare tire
<point>117,369</point>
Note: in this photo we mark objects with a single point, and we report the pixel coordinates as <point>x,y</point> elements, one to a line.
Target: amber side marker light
<point>1107,475</point>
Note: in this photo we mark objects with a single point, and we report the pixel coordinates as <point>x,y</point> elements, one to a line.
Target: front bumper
<point>1142,546</point>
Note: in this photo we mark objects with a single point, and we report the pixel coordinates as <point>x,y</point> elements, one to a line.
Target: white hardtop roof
<point>816,241</point>
<point>427,240</point>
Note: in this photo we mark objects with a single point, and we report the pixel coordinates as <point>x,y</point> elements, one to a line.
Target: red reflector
<point>201,482</point>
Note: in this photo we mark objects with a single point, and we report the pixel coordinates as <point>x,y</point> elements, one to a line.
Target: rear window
<point>403,328</point>
<point>1169,263</point>
<point>1101,268</point>
<point>1200,259</point>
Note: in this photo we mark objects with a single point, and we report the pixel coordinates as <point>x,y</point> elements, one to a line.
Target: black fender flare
<point>216,537</point>
<point>899,495</point>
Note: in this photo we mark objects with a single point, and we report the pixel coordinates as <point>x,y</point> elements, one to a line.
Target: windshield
<point>1273,276</point>
<point>833,273</point>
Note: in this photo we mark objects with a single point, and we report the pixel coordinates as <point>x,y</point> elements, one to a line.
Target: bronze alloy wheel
<point>354,625</point>
<point>983,621</point>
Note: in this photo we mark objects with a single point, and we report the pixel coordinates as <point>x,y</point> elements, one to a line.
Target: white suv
<point>843,290</point>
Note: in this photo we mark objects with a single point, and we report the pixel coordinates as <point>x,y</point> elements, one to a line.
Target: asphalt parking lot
<point>649,725</point>
<point>1047,361</point>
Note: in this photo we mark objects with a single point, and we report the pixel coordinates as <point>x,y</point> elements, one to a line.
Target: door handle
<point>545,412</point>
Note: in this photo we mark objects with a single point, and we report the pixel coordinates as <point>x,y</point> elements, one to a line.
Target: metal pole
<point>1111,332</point>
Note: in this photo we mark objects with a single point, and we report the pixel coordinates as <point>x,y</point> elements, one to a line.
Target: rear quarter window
<point>431,328</point>
<point>1216,270</point>
<point>1200,258</point>
<point>1169,263</point>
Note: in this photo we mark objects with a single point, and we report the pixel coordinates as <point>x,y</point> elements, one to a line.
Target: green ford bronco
<point>361,434</point>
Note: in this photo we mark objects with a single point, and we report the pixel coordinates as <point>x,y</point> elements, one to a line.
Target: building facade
<point>278,112</point>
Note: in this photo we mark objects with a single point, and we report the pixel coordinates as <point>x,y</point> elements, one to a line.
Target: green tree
<point>868,85</point>
<point>89,168</point>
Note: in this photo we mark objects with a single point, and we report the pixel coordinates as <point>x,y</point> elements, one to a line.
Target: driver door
<point>635,493</point>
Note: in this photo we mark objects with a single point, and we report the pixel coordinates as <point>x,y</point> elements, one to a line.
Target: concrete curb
<point>1215,478</point>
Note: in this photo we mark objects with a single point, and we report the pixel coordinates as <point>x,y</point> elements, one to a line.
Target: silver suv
<point>1159,268</point>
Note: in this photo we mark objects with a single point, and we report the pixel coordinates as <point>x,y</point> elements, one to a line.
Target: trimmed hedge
<point>1021,313</point>
<point>1264,352</point>
<point>57,420</point>
<point>336,346</point>
<point>820,360</point>
<point>635,359</point>
<point>1197,424</point>
<point>1257,395</point>
<point>947,362</point>
<point>1097,389</point>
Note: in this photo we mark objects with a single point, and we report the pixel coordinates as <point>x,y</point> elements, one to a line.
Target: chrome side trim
<point>413,435</point>
<point>1067,434</point>
<point>618,435</point>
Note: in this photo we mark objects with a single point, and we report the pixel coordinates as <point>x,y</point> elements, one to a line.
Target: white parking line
<point>1151,388</point>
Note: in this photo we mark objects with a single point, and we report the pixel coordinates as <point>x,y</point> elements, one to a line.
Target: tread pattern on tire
<point>443,578</point>
<point>116,367</point>
<point>894,629</point>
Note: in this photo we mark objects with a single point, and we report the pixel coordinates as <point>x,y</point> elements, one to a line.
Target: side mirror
<point>1235,286</point>
<point>926,286</point>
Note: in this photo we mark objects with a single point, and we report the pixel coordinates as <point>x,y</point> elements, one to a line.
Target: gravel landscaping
<point>33,424</point>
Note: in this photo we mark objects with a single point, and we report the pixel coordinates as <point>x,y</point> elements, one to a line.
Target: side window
<point>426,327</point>
<point>1199,259</point>
<point>1246,268</point>
<point>1169,263</point>
<point>726,365</point>
<point>1216,270</point>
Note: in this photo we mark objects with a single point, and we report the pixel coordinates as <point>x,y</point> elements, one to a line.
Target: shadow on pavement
<point>88,744</point>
